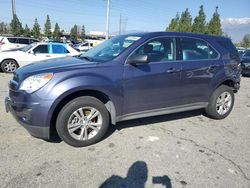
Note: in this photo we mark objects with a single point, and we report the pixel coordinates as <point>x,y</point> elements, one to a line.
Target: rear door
<point>200,62</point>
<point>155,84</point>
<point>22,42</point>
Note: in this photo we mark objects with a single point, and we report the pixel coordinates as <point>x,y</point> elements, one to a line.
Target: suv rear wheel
<point>9,65</point>
<point>221,103</point>
<point>83,121</point>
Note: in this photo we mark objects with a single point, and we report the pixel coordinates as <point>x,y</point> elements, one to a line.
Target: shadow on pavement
<point>152,120</point>
<point>136,178</point>
<point>140,122</point>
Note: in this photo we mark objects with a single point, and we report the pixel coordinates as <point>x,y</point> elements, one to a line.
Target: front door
<point>155,84</point>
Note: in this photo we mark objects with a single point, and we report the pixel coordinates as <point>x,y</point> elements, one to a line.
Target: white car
<point>14,43</point>
<point>83,47</point>
<point>11,60</point>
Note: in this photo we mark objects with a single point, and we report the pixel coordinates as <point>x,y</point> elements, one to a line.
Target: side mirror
<point>32,52</point>
<point>137,59</point>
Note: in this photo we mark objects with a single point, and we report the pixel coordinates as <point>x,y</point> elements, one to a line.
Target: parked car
<point>245,63</point>
<point>126,77</point>
<point>11,60</point>
<point>14,43</point>
<point>83,47</point>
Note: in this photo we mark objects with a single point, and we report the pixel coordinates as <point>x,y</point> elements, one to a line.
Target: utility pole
<point>120,24</point>
<point>13,8</point>
<point>107,20</point>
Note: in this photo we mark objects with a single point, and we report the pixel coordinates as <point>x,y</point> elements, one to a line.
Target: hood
<point>55,65</point>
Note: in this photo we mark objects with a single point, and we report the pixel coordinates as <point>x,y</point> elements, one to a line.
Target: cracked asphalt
<point>178,150</point>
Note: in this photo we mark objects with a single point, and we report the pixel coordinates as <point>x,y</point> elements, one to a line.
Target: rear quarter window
<point>12,40</point>
<point>228,46</point>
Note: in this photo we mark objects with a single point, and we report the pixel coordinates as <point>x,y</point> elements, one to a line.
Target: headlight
<point>35,82</point>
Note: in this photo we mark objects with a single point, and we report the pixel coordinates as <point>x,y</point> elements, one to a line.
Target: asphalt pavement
<point>178,150</point>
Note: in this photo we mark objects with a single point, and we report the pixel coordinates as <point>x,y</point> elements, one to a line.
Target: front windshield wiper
<point>87,58</point>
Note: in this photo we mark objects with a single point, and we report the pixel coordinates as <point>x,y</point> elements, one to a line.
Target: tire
<point>78,117</point>
<point>221,103</point>
<point>9,65</point>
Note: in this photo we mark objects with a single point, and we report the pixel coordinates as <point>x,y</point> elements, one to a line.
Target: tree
<point>174,24</point>
<point>16,26</point>
<point>47,27</point>
<point>214,25</point>
<point>4,28</point>
<point>83,32</point>
<point>199,25</point>
<point>57,32</point>
<point>185,23</point>
<point>73,32</point>
<point>36,31</point>
<point>26,31</point>
<point>246,41</point>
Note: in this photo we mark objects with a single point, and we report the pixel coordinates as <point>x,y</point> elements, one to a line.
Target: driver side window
<point>158,50</point>
<point>41,49</point>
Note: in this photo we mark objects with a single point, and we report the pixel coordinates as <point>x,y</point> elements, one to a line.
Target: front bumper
<point>23,115</point>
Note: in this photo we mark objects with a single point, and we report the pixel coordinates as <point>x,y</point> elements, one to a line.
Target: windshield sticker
<point>134,38</point>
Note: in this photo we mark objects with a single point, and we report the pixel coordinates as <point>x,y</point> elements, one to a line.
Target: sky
<point>137,15</point>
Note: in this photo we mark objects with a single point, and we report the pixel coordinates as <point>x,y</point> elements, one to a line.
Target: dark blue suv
<point>126,77</point>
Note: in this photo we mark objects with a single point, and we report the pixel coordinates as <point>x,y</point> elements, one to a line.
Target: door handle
<point>173,70</point>
<point>48,55</point>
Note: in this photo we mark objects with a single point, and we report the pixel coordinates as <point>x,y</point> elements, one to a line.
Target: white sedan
<point>11,60</point>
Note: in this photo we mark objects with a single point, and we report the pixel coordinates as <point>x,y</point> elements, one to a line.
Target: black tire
<point>211,109</point>
<point>9,69</point>
<point>68,110</point>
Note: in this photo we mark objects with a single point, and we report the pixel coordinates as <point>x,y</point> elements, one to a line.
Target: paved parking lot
<point>178,150</point>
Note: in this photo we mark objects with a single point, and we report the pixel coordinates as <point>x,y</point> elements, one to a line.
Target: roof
<point>162,33</point>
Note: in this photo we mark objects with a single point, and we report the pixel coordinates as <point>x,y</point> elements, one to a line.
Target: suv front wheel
<point>221,103</point>
<point>83,121</point>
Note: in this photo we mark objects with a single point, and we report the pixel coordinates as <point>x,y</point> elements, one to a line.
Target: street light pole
<point>107,20</point>
<point>13,8</point>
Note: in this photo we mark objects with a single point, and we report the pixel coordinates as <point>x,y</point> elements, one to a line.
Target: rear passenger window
<point>41,49</point>
<point>196,49</point>
<point>12,40</point>
<point>158,50</point>
<point>59,49</point>
<point>22,41</point>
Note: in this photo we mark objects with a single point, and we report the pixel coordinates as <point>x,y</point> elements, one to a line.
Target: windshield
<point>110,49</point>
<point>26,48</point>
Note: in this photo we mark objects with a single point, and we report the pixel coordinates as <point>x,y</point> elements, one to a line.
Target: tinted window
<point>41,49</point>
<point>59,49</point>
<point>12,40</point>
<point>158,50</point>
<point>196,49</point>
<point>22,41</point>
<point>33,40</point>
<point>247,53</point>
<point>228,46</point>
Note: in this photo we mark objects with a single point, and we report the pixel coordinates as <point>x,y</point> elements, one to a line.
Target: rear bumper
<point>23,117</point>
